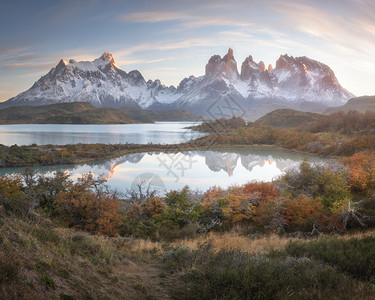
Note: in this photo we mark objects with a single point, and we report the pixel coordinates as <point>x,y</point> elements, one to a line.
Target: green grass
<point>353,256</point>
<point>205,274</point>
<point>48,281</point>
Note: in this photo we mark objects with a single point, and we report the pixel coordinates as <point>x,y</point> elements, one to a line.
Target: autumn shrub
<point>331,223</point>
<point>327,183</point>
<point>301,212</point>
<point>46,189</point>
<point>361,174</point>
<point>240,207</point>
<point>12,196</point>
<point>88,205</point>
<point>150,208</point>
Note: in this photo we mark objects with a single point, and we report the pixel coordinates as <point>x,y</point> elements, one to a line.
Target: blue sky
<point>170,40</point>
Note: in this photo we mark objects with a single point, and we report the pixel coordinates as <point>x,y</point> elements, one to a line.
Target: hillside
<point>43,261</point>
<point>288,118</point>
<point>64,113</point>
<point>361,104</point>
<point>154,115</point>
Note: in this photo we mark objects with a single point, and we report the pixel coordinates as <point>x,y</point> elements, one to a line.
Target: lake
<point>62,134</point>
<point>198,169</point>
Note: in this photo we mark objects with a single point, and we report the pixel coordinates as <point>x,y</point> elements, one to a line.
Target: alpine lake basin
<point>163,171</point>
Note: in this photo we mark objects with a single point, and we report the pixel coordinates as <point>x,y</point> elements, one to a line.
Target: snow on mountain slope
<point>303,79</point>
<point>103,83</point>
<point>100,82</point>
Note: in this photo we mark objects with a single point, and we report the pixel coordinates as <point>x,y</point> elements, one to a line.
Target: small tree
<point>89,205</point>
<point>182,207</point>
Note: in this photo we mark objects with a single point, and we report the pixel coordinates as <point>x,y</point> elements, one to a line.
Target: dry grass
<point>220,241</point>
<point>51,262</point>
<point>234,241</point>
<point>139,246</point>
<point>359,234</point>
<point>231,240</point>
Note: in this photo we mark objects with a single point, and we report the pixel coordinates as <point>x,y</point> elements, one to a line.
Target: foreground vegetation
<point>78,240</point>
<point>41,260</point>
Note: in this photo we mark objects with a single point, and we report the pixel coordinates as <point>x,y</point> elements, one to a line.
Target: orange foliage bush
<point>213,196</point>
<point>361,168</point>
<point>152,207</point>
<point>12,198</point>
<point>239,206</point>
<point>301,212</point>
<point>86,206</point>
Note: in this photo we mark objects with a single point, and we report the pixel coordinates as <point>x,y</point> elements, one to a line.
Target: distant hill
<point>155,115</point>
<point>265,107</point>
<point>63,113</point>
<point>361,104</point>
<point>288,118</point>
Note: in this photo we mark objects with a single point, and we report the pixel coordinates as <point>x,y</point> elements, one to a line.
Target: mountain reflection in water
<point>198,169</point>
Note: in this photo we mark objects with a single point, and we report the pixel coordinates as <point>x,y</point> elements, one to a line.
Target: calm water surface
<point>198,169</point>
<point>62,134</point>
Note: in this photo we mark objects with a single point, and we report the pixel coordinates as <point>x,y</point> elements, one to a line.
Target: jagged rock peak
<point>249,68</point>
<point>262,66</point>
<point>248,60</point>
<point>270,68</point>
<point>109,56</point>
<point>229,56</point>
<point>284,62</point>
<point>214,59</point>
<point>62,63</point>
<point>222,67</point>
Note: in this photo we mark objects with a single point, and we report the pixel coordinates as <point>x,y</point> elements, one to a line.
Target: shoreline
<point>134,148</point>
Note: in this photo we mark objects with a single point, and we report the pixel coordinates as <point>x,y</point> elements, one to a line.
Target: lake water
<point>62,134</point>
<point>198,169</point>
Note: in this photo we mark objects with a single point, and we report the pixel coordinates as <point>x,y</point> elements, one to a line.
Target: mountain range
<point>295,82</point>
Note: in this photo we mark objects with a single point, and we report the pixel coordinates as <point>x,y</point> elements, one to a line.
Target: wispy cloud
<point>27,65</point>
<point>186,19</point>
<point>159,37</point>
<point>139,61</point>
<point>152,17</point>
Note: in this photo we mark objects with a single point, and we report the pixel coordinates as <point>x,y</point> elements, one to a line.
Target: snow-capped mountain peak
<point>103,83</point>
<point>305,79</point>
<point>100,82</point>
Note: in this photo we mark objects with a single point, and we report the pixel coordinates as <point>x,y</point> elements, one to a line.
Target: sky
<point>173,39</point>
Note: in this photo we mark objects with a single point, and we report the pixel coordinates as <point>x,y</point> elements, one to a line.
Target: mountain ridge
<point>102,83</point>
